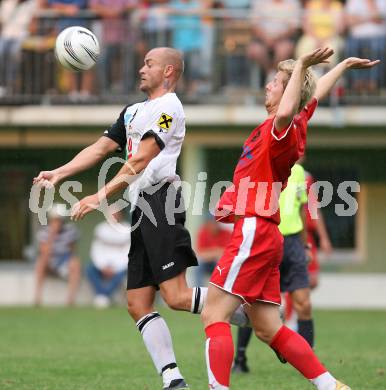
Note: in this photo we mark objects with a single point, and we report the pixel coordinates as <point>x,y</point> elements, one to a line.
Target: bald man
<point>151,132</point>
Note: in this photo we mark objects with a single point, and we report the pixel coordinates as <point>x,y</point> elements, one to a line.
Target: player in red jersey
<point>249,269</point>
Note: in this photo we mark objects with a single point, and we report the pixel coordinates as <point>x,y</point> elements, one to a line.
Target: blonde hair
<point>309,84</point>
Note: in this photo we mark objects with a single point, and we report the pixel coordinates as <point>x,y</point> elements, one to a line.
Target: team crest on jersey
<point>165,122</point>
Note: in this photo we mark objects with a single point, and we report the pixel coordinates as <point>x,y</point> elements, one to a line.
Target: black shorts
<point>293,267</point>
<point>162,251</point>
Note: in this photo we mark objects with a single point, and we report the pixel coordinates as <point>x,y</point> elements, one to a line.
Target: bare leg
<point>268,327</point>
<point>74,273</point>
<point>302,303</point>
<point>140,302</point>
<point>40,275</point>
<point>176,293</point>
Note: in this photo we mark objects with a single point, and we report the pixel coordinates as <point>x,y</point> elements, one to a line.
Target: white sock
<point>324,382</point>
<point>198,299</point>
<point>158,341</point>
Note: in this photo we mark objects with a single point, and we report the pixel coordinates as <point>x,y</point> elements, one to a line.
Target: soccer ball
<point>77,48</point>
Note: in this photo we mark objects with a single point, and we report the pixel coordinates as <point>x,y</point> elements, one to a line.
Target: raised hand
<point>46,179</point>
<point>318,56</point>
<point>360,63</point>
<point>85,206</point>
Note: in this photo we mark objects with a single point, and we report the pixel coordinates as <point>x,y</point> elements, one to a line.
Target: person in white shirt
<point>366,21</point>
<point>108,253</point>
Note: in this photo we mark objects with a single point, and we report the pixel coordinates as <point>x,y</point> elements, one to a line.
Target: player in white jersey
<point>153,132</point>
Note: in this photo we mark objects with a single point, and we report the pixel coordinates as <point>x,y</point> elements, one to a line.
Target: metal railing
<point>217,71</point>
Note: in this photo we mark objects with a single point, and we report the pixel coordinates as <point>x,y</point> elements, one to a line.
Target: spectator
<point>115,65</point>
<point>211,241</point>
<point>68,11</point>
<point>109,256</point>
<point>366,20</point>
<point>323,22</point>
<point>208,30</point>
<point>38,54</point>
<point>274,25</point>
<point>188,38</point>
<point>156,25</point>
<point>56,255</point>
<point>15,18</point>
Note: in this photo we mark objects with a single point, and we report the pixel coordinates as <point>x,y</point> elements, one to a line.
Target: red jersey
<point>264,167</point>
<point>208,240</point>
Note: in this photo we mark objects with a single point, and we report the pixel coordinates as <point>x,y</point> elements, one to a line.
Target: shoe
<point>281,359</point>
<point>177,384</point>
<point>101,301</point>
<point>240,366</point>
<point>341,386</point>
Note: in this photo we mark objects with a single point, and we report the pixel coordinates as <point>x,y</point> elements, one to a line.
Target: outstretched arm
<point>85,159</point>
<point>326,82</point>
<point>290,101</point>
<point>147,150</point>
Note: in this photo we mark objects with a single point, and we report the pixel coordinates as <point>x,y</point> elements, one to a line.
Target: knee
<point>303,307</point>
<point>284,50</point>
<point>137,310</point>
<point>264,334</point>
<point>174,301</point>
<point>256,52</point>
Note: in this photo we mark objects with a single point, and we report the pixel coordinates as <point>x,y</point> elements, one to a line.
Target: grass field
<point>82,348</point>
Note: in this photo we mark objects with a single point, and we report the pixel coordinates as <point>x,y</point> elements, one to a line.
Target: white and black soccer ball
<point>77,48</point>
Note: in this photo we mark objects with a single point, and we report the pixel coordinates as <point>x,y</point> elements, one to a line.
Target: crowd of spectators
<point>224,41</point>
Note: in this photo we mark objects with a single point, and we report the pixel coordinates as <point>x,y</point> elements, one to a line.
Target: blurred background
<point>231,48</point>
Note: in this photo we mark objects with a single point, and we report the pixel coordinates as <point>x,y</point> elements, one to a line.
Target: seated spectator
<point>211,241</point>
<point>366,20</point>
<point>188,38</point>
<point>15,18</point>
<point>156,26</point>
<point>38,54</point>
<point>323,22</point>
<point>68,16</point>
<point>274,25</point>
<point>109,257</point>
<point>116,62</point>
<point>56,254</point>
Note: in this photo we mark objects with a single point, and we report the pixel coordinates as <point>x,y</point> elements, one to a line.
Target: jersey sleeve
<point>295,133</point>
<point>299,121</point>
<point>165,122</point>
<point>225,208</point>
<point>117,131</point>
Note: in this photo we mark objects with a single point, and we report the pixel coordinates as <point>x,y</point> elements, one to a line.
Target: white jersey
<point>162,118</point>
<point>111,245</point>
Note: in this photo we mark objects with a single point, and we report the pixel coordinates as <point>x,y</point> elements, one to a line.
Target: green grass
<point>82,348</point>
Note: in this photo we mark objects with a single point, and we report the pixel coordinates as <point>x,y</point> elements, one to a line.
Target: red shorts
<point>249,266</point>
